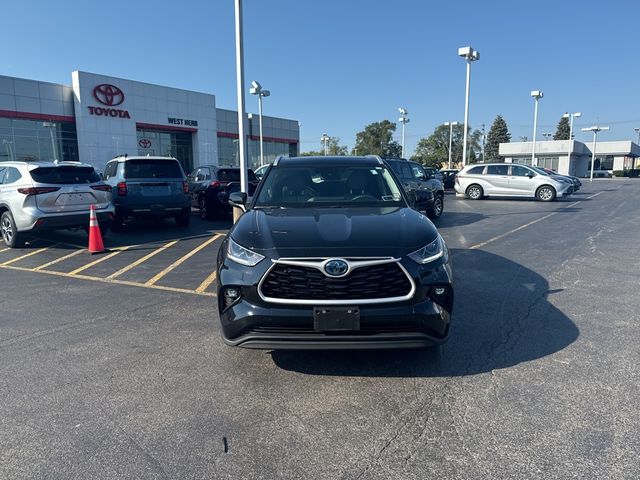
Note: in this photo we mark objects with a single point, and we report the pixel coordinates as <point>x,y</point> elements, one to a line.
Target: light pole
<point>595,129</point>
<point>638,132</point>
<point>571,116</point>
<point>257,89</point>
<point>325,141</point>
<point>404,119</point>
<point>242,117</point>
<point>470,55</point>
<point>450,125</point>
<point>547,136</point>
<point>537,95</point>
<point>54,146</point>
<point>524,138</point>
<point>483,139</point>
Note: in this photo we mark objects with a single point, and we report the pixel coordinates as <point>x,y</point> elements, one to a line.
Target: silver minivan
<point>509,180</point>
<point>37,196</point>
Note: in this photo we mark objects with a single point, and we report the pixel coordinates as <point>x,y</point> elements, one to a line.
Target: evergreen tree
<point>498,133</point>
<point>562,132</point>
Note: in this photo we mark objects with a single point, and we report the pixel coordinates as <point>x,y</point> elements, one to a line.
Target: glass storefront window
<point>37,140</point>
<point>228,151</point>
<point>167,144</point>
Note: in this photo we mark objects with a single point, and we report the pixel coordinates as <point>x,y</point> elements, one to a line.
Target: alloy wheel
<point>7,230</point>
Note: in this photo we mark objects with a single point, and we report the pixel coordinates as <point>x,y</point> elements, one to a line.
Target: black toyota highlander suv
<point>330,254</point>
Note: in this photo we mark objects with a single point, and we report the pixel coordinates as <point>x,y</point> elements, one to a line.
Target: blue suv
<point>148,187</point>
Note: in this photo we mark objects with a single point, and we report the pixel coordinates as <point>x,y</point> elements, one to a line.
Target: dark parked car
<point>329,254</point>
<point>421,185</point>
<point>449,177</point>
<point>148,187</point>
<point>210,187</point>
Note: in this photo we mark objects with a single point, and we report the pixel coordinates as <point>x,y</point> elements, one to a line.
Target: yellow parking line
<point>57,260</point>
<point>5,249</point>
<point>13,260</point>
<point>107,280</point>
<point>207,281</point>
<point>100,260</point>
<point>182,260</point>
<point>143,259</point>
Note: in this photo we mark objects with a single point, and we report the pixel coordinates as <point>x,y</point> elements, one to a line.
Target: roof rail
<point>377,157</point>
<point>277,160</point>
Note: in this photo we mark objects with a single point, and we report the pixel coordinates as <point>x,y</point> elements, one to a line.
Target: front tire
<point>436,209</point>
<point>475,192</point>
<point>12,238</point>
<point>546,193</point>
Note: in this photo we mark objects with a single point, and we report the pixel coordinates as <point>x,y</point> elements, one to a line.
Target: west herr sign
<point>182,121</point>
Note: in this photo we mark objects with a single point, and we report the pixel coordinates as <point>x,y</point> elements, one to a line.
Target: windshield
<point>329,186</point>
<point>540,171</point>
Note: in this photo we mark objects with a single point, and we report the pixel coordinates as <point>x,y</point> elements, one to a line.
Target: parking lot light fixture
<point>404,119</point>
<point>470,55</point>
<point>595,129</point>
<point>537,95</point>
<point>256,89</point>
<point>450,125</point>
<point>638,132</point>
<point>325,140</point>
<point>571,116</point>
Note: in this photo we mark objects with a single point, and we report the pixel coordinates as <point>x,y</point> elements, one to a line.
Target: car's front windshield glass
<point>540,171</point>
<point>329,186</point>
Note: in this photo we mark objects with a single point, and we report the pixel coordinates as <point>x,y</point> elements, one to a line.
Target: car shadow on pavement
<point>502,317</point>
<point>457,219</point>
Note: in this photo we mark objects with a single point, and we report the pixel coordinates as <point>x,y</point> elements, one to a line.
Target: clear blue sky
<point>337,65</point>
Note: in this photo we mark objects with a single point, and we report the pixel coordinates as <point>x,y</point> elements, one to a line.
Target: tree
<point>377,139</point>
<point>563,130</point>
<point>433,151</point>
<point>498,133</point>
<point>333,148</point>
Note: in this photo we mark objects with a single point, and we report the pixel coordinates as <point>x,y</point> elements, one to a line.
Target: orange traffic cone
<point>95,237</point>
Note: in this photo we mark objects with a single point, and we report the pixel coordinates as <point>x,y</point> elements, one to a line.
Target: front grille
<point>290,282</point>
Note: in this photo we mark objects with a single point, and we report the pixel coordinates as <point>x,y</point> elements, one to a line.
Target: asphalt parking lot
<point>111,366</point>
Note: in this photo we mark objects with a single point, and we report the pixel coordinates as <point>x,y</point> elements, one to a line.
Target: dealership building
<point>570,157</point>
<point>99,117</point>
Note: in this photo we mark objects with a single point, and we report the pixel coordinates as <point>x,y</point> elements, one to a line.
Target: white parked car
<point>509,180</point>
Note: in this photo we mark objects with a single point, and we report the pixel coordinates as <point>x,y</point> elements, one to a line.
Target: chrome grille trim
<point>354,263</point>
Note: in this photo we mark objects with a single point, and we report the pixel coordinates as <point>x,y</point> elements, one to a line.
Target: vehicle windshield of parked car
<point>65,175</point>
<point>150,168</point>
<point>540,171</point>
<point>329,186</point>
<point>233,175</point>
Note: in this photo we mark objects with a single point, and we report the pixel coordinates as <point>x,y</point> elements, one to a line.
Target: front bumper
<point>403,326</point>
<point>254,322</point>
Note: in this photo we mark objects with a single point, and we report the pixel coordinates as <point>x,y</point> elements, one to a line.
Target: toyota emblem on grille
<point>336,268</point>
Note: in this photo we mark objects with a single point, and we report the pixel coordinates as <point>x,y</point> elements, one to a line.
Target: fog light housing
<point>230,296</point>
<point>442,295</point>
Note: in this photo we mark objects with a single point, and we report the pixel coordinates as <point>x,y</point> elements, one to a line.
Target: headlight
<point>429,253</point>
<point>242,255</point>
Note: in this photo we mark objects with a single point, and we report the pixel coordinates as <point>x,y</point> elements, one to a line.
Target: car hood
<point>348,232</point>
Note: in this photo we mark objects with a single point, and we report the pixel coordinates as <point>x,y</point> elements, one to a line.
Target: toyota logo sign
<point>107,94</point>
<point>144,143</point>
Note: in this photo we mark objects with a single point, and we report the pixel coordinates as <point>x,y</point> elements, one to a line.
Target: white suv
<point>509,180</point>
<point>36,196</point>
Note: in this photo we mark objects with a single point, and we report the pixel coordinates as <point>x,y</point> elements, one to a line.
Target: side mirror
<point>531,175</point>
<point>238,200</point>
